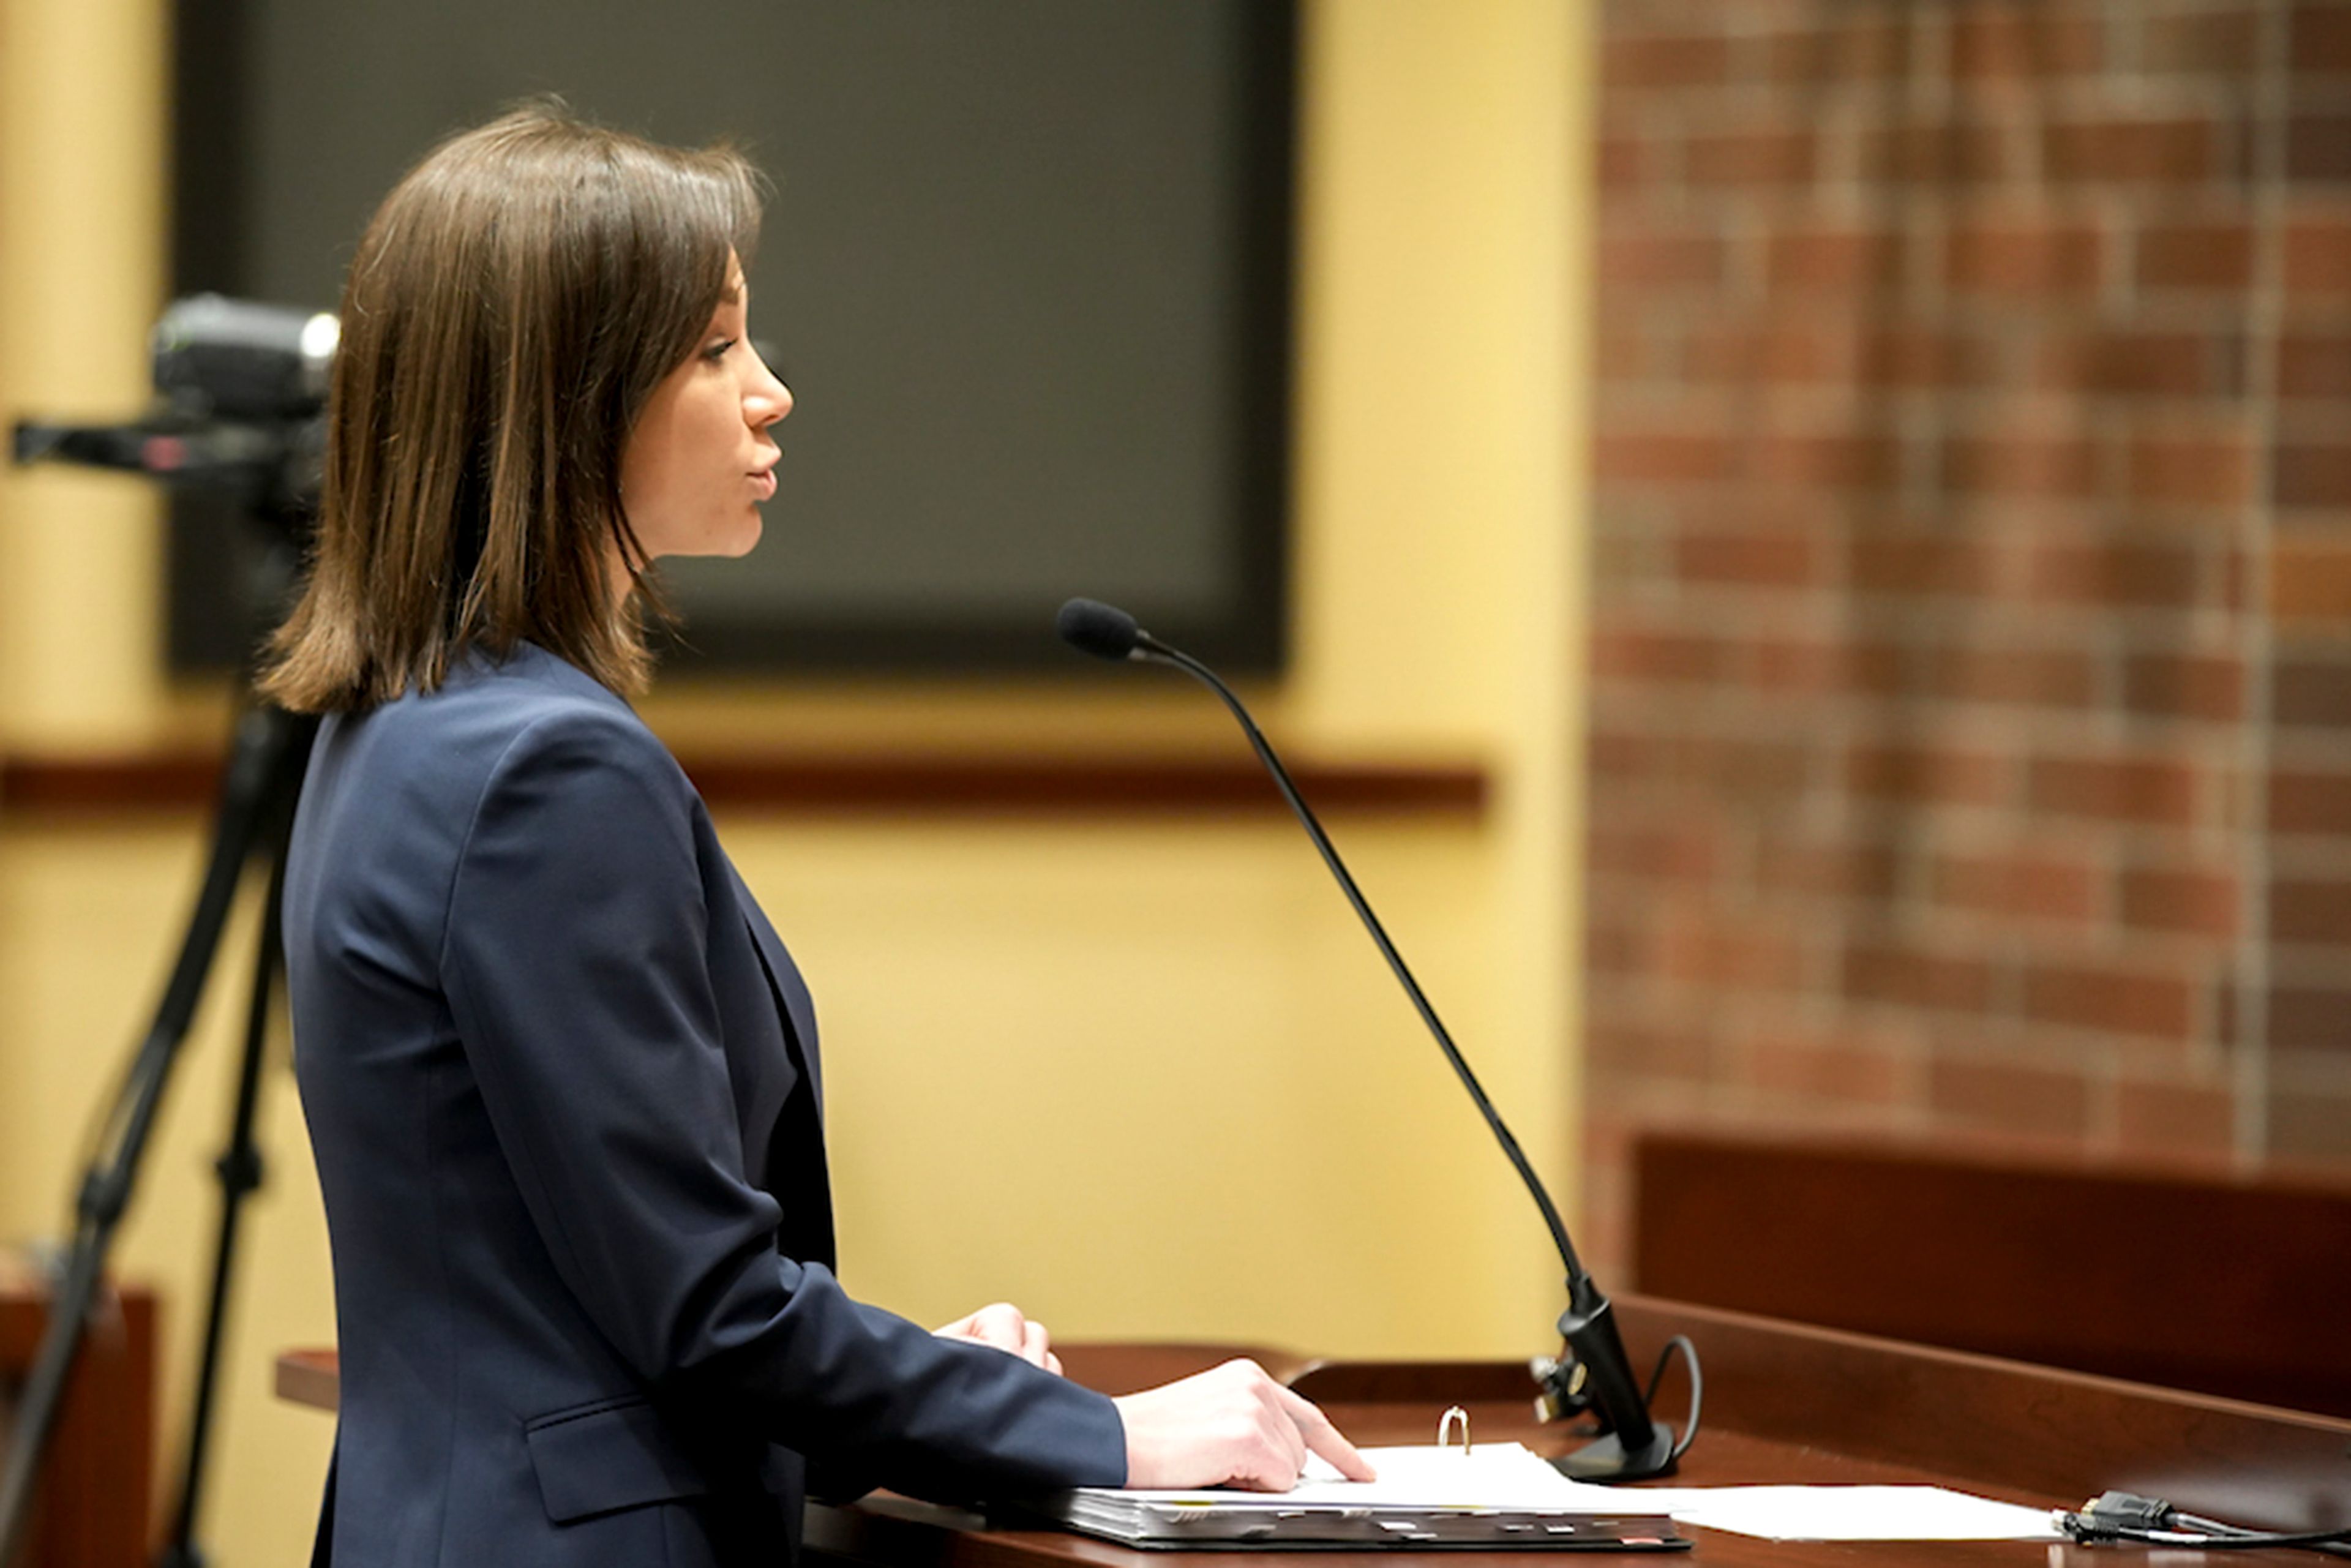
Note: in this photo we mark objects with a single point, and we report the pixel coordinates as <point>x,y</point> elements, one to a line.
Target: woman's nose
<point>765,404</point>
<point>767,398</point>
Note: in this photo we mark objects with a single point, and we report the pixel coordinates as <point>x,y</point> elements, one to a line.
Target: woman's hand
<point>1003,1326</point>
<point>1230,1425</point>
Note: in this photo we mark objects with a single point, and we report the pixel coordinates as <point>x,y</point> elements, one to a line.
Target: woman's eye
<point>719,349</point>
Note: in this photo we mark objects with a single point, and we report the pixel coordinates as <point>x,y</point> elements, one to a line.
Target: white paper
<point>1492,1475</point>
<point>1509,1475</point>
<point>1850,1512</point>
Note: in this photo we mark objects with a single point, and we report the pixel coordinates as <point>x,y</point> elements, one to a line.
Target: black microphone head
<point>1092,627</point>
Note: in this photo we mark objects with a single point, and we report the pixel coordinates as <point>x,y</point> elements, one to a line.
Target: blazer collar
<point>532,662</point>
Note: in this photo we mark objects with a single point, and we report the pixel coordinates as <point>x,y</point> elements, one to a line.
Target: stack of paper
<point>1499,1495</point>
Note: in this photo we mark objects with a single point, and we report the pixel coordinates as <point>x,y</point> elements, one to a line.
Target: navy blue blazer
<point>561,1080</point>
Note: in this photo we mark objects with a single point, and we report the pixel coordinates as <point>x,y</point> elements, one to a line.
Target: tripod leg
<point>240,1171</point>
<point>265,770</point>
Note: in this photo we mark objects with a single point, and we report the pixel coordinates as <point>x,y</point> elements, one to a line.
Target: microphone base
<point>1604,1459</point>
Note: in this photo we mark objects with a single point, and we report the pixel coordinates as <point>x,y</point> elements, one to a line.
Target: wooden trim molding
<point>164,782</point>
<point>55,787</point>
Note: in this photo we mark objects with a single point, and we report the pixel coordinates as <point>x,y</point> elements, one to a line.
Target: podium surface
<point>1784,1402</point>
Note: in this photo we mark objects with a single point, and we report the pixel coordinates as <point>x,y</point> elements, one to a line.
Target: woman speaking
<point>560,1074</point>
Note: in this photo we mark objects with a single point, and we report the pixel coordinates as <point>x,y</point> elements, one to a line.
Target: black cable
<point>2218,1527</point>
<point>2221,1537</point>
<point>2248,1541</point>
<point>1697,1388</point>
<point>2127,1517</point>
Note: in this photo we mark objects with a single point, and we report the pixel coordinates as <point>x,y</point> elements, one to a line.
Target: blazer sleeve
<point>574,963</point>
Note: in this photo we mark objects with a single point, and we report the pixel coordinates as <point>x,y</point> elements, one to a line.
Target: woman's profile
<point>560,1073</point>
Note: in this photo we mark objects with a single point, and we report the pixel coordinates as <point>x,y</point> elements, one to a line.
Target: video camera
<point>242,396</point>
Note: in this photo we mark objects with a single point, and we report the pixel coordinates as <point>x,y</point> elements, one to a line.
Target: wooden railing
<point>2234,1285</point>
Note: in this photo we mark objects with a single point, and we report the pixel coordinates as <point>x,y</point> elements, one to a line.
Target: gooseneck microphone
<point>1594,1373</point>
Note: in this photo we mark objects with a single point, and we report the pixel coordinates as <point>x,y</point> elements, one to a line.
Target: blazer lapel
<point>796,1156</point>
<point>792,991</point>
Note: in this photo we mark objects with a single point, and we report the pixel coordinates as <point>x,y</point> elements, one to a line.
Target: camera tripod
<point>252,817</point>
<point>245,389</point>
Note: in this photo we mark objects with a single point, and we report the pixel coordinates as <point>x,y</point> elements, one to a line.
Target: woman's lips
<point>764,483</point>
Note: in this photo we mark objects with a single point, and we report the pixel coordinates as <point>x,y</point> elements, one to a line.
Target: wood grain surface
<point>1784,1402</point>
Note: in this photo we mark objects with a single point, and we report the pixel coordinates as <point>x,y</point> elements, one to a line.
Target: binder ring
<point>1445,1428</point>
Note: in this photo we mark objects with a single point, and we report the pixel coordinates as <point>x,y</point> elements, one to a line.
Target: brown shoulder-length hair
<point>510,312</point>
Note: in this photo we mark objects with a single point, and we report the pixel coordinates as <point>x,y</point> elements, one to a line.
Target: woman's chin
<point>743,541</point>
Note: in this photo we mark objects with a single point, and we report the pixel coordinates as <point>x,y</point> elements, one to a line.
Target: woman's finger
<point>1315,1430</point>
<point>1001,1325</point>
<point>1285,1427</point>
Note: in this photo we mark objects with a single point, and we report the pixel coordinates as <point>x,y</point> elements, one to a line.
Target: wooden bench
<point>2240,1287</point>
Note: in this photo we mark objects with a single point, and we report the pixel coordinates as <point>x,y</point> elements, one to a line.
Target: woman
<point>560,1075</point>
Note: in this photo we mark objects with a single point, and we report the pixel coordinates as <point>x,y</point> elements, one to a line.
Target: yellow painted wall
<point>82,262</point>
<point>1146,1077</point>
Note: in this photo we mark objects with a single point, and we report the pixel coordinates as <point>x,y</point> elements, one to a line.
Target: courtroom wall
<point>1971,740</point>
<point>1137,1071</point>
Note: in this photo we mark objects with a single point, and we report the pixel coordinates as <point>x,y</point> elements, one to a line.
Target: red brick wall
<point>1971,727</point>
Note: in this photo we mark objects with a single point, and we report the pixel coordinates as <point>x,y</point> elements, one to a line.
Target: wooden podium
<point>92,1503</point>
<point>1783,1403</point>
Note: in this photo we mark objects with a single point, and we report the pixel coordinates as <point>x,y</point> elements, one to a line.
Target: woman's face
<point>700,460</point>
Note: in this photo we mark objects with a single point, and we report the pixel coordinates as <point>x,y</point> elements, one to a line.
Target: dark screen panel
<point>1026,268</point>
